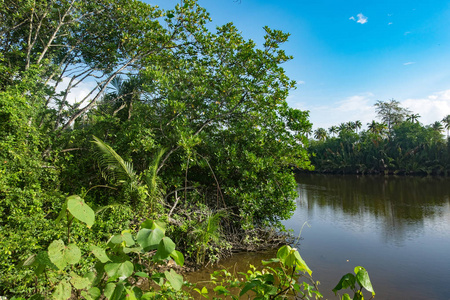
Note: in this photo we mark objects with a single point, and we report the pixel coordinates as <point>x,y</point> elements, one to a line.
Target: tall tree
<point>413,118</point>
<point>333,130</point>
<point>446,121</point>
<point>320,134</point>
<point>437,126</point>
<point>358,125</point>
<point>391,113</point>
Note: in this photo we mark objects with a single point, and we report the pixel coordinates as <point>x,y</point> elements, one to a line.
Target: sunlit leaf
<point>119,270</point>
<point>363,279</point>
<point>62,291</point>
<point>165,248</point>
<point>175,280</point>
<point>80,210</point>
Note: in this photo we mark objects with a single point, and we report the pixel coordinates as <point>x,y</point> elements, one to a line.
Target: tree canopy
<point>200,114</point>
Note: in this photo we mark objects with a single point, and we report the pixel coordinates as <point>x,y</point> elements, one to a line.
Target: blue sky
<point>348,54</point>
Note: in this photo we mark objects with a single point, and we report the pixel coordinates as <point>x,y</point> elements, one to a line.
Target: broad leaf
<point>165,248</point>
<point>150,224</point>
<point>93,293</point>
<point>301,264</point>
<point>149,239</point>
<point>363,279</point>
<point>283,252</point>
<point>60,255</point>
<point>79,282</point>
<point>125,236</point>
<point>119,270</point>
<point>347,281</point>
<point>178,257</point>
<point>62,291</point>
<point>80,210</point>
<point>100,254</point>
<point>175,280</point>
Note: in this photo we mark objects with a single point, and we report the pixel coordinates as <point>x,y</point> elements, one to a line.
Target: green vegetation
<point>399,145</point>
<point>145,114</point>
<point>132,267</point>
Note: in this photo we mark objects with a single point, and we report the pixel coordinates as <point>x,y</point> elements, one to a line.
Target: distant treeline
<point>399,144</point>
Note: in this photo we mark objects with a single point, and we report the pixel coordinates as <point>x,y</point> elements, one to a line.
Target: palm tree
<point>333,130</point>
<point>343,127</point>
<point>437,126</point>
<point>320,134</point>
<point>116,168</point>
<point>207,231</point>
<point>358,125</point>
<point>413,118</point>
<point>351,126</point>
<point>376,128</point>
<point>446,121</point>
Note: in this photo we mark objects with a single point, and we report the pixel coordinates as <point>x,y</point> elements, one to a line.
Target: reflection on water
<point>396,227</point>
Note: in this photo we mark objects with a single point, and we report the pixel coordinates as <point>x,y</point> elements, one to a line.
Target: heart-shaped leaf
<point>80,210</point>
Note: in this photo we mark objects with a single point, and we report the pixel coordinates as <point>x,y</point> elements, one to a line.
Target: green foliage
<point>281,278</point>
<point>202,111</point>
<point>350,281</point>
<point>122,264</point>
<point>403,147</point>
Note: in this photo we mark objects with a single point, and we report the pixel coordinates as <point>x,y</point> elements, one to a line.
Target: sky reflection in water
<point>398,228</point>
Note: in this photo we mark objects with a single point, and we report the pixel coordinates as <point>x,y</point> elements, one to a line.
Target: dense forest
<point>399,144</point>
<point>174,122</point>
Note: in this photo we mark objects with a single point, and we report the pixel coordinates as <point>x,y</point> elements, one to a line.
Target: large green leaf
<point>125,236</point>
<point>62,291</point>
<point>114,291</point>
<point>80,210</point>
<point>178,257</point>
<point>150,224</point>
<point>165,248</point>
<point>61,256</point>
<point>119,270</point>
<point>93,293</point>
<point>347,281</point>
<point>283,252</point>
<point>79,282</point>
<point>300,263</point>
<point>99,253</point>
<point>149,239</point>
<point>363,279</point>
<point>175,280</point>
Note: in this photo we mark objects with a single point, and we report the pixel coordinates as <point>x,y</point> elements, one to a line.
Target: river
<point>398,228</point>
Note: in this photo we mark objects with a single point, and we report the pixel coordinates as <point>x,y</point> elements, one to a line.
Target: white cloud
<point>362,19</point>
<point>353,108</point>
<point>407,32</point>
<point>409,63</point>
<point>361,107</point>
<point>390,23</point>
<point>432,108</point>
<point>300,82</point>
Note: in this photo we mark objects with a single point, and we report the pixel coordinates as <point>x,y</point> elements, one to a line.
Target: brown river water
<point>398,228</point>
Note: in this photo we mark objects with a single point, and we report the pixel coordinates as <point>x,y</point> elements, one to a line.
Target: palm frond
<point>113,165</point>
<point>150,176</point>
